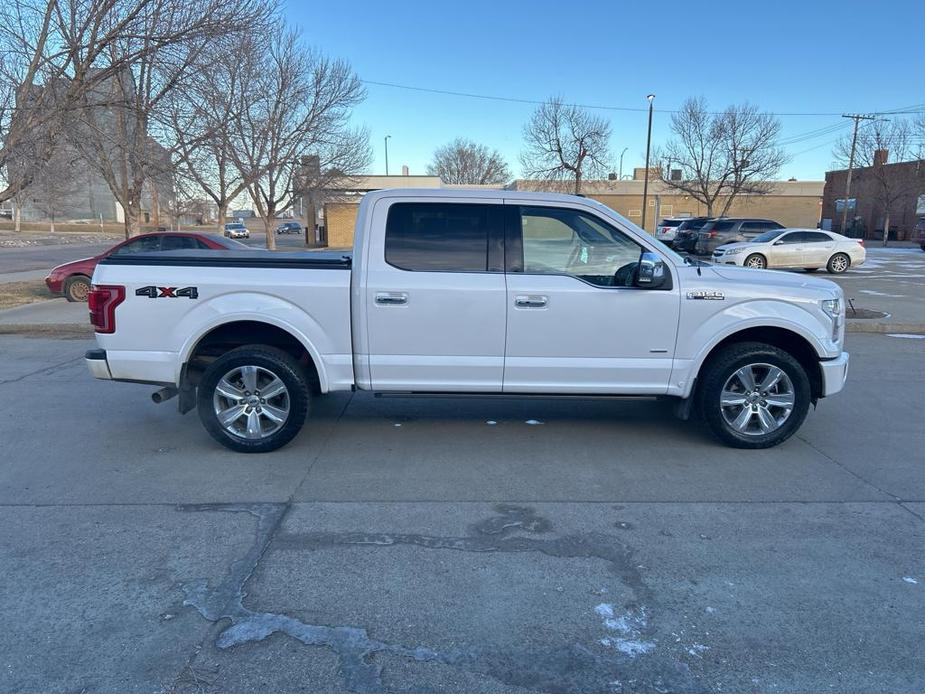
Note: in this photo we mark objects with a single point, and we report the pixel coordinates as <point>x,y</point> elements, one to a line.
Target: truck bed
<point>172,299</point>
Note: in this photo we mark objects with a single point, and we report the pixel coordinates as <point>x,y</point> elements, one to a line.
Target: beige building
<point>792,203</point>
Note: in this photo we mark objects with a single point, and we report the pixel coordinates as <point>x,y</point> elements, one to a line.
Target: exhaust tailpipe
<point>163,395</point>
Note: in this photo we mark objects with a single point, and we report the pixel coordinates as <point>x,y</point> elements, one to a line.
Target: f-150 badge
<point>153,292</point>
<point>706,295</point>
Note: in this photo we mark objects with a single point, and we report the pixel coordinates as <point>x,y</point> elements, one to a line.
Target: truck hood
<point>776,282</point>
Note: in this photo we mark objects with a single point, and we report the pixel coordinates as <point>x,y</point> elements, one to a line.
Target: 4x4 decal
<point>153,292</point>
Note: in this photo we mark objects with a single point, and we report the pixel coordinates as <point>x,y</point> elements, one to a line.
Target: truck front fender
<point>700,340</point>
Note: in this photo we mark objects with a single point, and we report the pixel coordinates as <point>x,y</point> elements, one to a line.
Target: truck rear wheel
<point>753,395</point>
<point>253,399</point>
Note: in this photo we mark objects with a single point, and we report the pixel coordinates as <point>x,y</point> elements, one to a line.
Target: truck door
<point>435,296</point>
<point>576,323</point>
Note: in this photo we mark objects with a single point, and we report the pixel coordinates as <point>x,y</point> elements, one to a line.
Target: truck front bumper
<point>97,364</point>
<point>834,374</point>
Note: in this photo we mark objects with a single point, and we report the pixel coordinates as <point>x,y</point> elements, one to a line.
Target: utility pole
<point>620,175</point>
<point>645,186</point>
<point>857,118</point>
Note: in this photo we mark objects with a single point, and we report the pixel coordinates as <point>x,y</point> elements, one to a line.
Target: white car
<point>668,228</point>
<point>809,249</point>
<point>236,230</point>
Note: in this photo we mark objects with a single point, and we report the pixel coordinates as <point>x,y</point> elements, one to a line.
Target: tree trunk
<point>577,183</point>
<point>222,216</point>
<point>271,237</point>
<point>51,226</point>
<point>132,219</point>
<point>886,228</point>
<point>17,215</point>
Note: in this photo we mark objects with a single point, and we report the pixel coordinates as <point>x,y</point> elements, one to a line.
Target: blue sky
<point>816,56</point>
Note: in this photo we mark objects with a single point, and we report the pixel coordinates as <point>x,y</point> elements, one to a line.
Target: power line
<point>917,108</point>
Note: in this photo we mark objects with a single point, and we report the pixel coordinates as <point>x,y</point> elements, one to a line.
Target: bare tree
<point>199,118</point>
<point>69,58</point>
<point>565,143</point>
<point>465,162</point>
<point>877,141</point>
<point>53,184</point>
<point>721,155</point>
<point>294,135</point>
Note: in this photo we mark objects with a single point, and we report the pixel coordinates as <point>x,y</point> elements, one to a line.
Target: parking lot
<point>406,545</point>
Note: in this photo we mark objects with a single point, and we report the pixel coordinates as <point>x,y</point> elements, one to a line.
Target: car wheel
<point>838,263</point>
<point>923,246</point>
<point>77,288</point>
<point>756,261</point>
<point>253,399</point>
<point>753,395</point>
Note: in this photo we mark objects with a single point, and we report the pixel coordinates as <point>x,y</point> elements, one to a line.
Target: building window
<point>634,213</point>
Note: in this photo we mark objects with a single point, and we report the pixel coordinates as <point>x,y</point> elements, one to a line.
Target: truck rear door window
<point>441,237</point>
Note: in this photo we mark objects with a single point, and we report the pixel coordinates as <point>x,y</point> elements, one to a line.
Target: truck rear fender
<point>262,308</point>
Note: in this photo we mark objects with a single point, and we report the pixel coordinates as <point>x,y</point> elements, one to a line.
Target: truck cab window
<point>559,241</point>
<point>441,237</point>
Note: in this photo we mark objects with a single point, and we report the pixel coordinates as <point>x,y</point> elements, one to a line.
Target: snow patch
<point>909,579</point>
<point>627,630</point>
<point>876,293</point>
<point>906,336</point>
<point>533,422</point>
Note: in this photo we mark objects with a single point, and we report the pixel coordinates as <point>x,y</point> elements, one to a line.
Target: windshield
<point>234,226</point>
<point>768,236</point>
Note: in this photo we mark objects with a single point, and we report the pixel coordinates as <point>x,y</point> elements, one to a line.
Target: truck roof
<point>480,193</point>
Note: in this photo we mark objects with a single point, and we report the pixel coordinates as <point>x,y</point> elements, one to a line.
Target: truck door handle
<point>391,298</point>
<point>532,301</point>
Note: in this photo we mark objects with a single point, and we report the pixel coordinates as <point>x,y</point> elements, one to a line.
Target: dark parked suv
<point>685,237</point>
<point>724,230</point>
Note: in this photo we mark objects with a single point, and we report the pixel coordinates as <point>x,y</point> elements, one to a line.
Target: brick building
<point>902,183</point>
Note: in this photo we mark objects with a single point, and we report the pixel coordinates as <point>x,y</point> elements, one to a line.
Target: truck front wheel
<point>753,395</point>
<point>253,399</point>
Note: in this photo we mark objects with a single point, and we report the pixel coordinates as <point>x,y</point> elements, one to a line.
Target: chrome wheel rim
<point>757,399</point>
<point>251,402</point>
<point>839,263</point>
<point>755,262</point>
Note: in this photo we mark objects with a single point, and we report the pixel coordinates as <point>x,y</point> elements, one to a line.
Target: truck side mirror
<point>651,272</point>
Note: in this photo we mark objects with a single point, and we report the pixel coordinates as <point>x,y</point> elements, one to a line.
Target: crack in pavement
<point>43,371</point>
<point>571,667</point>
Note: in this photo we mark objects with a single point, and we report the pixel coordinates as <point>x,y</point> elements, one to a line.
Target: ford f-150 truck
<point>469,292</point>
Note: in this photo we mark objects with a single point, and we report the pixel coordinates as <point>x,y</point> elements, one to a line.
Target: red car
<point>72,280</point>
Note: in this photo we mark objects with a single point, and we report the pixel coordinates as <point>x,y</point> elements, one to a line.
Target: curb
<point>66,331</point>
<point>865,326</point>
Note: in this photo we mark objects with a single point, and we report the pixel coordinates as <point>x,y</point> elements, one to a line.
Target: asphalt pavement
<point>442,545</point>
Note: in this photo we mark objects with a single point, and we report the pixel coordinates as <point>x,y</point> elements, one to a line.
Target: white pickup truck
<point>453,291</point>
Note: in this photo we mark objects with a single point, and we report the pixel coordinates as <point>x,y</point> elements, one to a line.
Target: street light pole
<point>387,154</point>
<point>645,186</point>
<point>620,177</point>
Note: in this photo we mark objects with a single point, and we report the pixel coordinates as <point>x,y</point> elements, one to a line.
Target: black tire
<point>269,360</point>
<point>76,288</point>
<point>923,246</point>
<point>723,365</point>
<point>757,261</point>
<point>838,263</point>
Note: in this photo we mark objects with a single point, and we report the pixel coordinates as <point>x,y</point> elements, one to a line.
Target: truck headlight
<point>836,311</point>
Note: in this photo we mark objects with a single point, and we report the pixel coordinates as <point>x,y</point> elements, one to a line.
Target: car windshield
<point>768,236</point>
<point>234,226</point>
